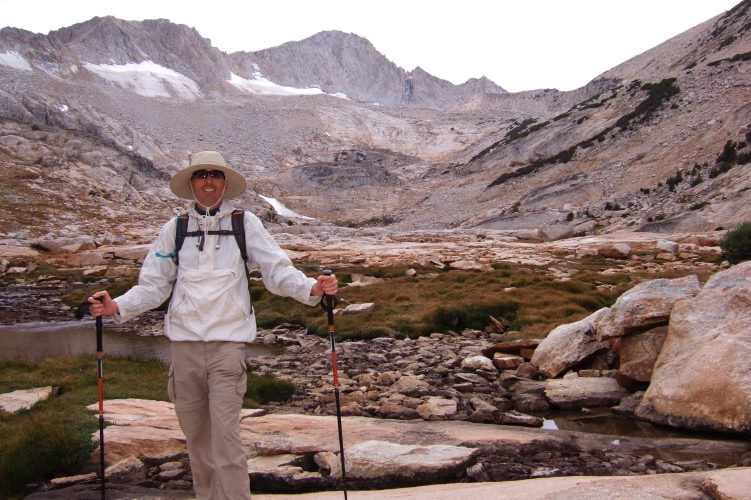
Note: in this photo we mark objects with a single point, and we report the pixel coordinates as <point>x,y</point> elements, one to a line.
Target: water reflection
<point>604,422</point>
<point>622,428</point>
<point>30,341</point>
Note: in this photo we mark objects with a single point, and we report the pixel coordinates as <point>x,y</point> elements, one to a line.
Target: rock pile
<point>441,377</point>
<point>687,345</point>
<point>603,358</point>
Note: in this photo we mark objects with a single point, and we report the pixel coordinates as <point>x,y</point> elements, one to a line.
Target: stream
<point>39,340</point>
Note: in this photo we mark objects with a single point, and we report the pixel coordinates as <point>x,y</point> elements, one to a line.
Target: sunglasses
<point>203,174</point>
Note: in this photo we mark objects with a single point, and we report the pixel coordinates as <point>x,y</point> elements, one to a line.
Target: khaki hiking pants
<point>207,382</point>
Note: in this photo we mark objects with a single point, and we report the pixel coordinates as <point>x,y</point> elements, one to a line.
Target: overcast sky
<point>519,44</point>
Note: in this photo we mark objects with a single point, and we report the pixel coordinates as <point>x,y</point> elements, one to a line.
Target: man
<point>210,317</point>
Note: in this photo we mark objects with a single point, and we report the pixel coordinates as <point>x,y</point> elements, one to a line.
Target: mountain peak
<point>336,62</point>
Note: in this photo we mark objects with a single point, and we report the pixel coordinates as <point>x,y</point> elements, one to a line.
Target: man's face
<point>208,187</point>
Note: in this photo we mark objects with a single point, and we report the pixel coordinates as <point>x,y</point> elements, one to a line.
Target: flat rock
<point>660,487</point>
<point>391,464</point>
<point>15,252</point>
<point>727,484</point>
<point>301,437</point>
<point>23,399</point>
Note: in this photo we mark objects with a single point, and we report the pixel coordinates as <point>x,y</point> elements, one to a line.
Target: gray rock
<point>389,464</point>
<point>568,345</point>
<point>645,306</point>
<point>577,393</point>
<point>557,230</point>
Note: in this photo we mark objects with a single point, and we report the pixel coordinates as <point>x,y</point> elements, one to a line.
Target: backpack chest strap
<point>238,231</point>
<point>202,235</point>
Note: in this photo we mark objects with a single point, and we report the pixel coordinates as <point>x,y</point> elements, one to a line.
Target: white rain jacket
<point>211,300</point>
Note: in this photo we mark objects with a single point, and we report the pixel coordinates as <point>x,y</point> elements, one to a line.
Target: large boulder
<point>647,305</point>
<point>701,379</point>
<point>568,345</point>
<point>557,230</point>
<point>638,354</point>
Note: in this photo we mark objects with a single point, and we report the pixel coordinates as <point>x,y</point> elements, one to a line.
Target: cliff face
<point>656,143</point>
<point>335,62</point>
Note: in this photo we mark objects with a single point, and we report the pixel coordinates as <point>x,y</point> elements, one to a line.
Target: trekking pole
<point>328,303</point>
<point>80,312</point>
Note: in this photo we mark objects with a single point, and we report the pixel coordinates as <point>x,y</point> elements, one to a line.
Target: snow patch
<point>261,85</point>
<point>281,209</point>
<point>14,60</point>
<point>147,79</point>
<point>64,108</point>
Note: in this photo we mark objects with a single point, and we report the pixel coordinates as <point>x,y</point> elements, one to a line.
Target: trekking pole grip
<point>99,347</point>
<point>329,302</point>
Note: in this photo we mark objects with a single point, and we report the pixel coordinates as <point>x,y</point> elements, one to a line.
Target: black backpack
<point>238,230</point>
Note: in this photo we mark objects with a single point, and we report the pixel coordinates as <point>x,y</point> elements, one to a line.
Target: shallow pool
<point>40,340</point>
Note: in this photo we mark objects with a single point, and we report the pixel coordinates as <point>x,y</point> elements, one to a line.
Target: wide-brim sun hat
<point>210,160</point>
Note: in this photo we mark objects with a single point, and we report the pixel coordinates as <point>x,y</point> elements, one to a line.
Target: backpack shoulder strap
<point>181,230</point>
<point>238,229</point>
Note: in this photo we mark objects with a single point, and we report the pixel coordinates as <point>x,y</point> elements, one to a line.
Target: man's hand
<point>105,307</point>
<point>325,285</point>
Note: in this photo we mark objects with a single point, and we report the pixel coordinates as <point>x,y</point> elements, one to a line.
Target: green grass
<point>406,306</point>
<point>454,300</point>
<point>263,389</point>
<point>53,438</point>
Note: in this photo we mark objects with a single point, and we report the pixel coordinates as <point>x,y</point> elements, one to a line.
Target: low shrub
<point>736,245</point>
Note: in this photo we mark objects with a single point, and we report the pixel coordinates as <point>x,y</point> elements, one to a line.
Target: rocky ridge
<point>607,157</point>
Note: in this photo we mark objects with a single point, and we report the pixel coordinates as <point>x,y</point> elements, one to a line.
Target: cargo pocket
<point>242,383</point>
<point>171,384</point>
